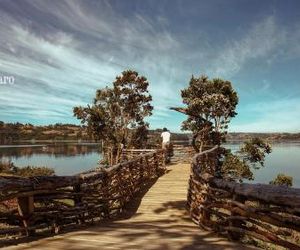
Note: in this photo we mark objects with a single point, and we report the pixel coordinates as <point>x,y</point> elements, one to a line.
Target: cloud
<point>56,68</point>
<point>260,42</point>
<point>60,52</point>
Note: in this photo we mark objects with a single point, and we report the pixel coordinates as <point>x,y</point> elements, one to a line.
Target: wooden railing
<point>50,203</point>
<point>256,213</point>
<point>182,153</point>
<point>129,154</point>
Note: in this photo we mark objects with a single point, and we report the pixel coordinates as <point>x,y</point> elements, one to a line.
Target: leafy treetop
<point>118,113</point>
<point>210,104</point>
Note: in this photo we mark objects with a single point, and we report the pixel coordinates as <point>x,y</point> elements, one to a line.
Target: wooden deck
<point>156,220</point>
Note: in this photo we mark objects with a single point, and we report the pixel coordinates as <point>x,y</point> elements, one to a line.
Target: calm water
<point>285,158</point>
<point>64,158</point>
<point>71,158</point>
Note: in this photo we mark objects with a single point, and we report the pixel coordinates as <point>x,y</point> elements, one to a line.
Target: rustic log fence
<point>44,204</point>
<point>182,154</point>
<point>251,212</point>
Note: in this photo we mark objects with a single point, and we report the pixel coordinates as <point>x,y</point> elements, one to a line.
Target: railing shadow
<point>169,233</point>
<point>95,197</point>
<point>129,210</point>
<point>172,228</point>
<point>131,207</point>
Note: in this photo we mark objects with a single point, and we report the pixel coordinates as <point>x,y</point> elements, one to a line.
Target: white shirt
<point>166,136</point>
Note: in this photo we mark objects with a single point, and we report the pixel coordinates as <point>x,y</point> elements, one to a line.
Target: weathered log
<point>277,195</point>
<point>264,236</point>
<point>95,195</point>
<point>261,211</point>
<point>26,209</point>
<point>21,229</point>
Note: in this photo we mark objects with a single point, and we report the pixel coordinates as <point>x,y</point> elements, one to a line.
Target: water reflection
<point>55,150</point>
<point>64,158</point>
<point>72,158</point>
<point>285,158</point>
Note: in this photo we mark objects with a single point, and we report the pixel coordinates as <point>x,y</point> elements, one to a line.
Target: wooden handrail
<point>43,202</point>
<point>262,212</point>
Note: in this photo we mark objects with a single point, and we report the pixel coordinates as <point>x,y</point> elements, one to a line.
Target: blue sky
<point>60,52</point>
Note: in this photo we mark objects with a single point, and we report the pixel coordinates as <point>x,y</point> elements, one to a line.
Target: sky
<point>59,52</point>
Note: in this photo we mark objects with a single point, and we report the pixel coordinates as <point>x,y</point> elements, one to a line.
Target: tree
<point>139,139</point>
<point>251,155</point>
<point>117,114</point>
<point>210,104</point>
<point>282,180</point>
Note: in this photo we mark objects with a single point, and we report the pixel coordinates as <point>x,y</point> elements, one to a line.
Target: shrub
<point>282,180</point>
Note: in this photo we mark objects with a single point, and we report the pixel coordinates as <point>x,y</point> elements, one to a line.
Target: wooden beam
<point>26,209</point>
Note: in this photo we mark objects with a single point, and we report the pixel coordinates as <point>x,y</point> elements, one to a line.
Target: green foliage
<point>30,171</point>
<point>117,114</point>
<point>282,180</point>
<point>210,104</point>
<point>235,168</point>
<point>8,168</point>
<point>254,151</point>
<point>139,137</point>
<point>252,154</point>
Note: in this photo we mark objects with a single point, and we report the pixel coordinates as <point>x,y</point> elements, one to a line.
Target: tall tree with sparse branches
<point>210,105</point>
<point>117,114</point>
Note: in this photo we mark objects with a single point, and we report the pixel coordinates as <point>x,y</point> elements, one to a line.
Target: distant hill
<point>267,136</point>
<point>240,136</point>
<point>11,132</point>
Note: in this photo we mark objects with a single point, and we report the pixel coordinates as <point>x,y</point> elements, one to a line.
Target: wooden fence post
<point>26,209</point>
<point>205,214</point>
<point>106,196</point>
<point>77,201</point>
<point>156,164</point>
<point>235,222</point>
<point>148,167</point>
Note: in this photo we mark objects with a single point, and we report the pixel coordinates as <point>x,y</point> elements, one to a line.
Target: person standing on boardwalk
<point>166,138</point>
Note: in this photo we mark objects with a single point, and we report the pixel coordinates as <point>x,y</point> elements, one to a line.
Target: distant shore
<point>11,133</point>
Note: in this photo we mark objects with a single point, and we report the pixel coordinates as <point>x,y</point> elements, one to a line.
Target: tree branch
<point>184,111</point>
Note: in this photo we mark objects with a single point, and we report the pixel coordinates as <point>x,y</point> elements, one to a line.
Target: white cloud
<point>56,65</point>
<point>262,41</point>
<point>58,68</point>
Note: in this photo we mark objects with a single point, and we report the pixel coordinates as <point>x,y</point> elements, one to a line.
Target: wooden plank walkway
<point>160,222</point>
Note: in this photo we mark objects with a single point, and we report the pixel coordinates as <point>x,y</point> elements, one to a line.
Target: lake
<point>71,158</point>
<point>285,158</point>
<point>64,158</point>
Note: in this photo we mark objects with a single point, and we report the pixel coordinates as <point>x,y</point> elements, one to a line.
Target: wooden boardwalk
<point>157,220</point>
